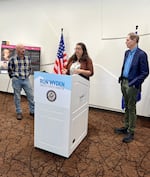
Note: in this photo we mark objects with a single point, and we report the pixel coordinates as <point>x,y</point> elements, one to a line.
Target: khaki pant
<point>130,94</point>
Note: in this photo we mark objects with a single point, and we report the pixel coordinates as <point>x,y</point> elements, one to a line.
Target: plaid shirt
<point>20,68</point>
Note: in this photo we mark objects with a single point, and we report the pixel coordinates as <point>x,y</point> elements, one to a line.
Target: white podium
<point>61,112</point>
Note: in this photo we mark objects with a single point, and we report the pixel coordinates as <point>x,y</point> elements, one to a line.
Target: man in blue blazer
<point>134,71</point>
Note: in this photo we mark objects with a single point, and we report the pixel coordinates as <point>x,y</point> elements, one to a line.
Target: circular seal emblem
<point>51,95</point>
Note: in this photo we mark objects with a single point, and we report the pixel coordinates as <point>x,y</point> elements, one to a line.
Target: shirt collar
<point>133,50</point>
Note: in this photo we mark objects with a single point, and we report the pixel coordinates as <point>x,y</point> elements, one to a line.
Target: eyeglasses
<point>78,48</point>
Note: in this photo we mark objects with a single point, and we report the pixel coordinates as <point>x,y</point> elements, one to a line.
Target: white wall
<point>101,24</point>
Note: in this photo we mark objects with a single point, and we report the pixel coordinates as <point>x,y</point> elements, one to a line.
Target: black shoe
<point>128,138</point>
<point>121,130</point>
<point>31,114</point>
<point>19,116</point>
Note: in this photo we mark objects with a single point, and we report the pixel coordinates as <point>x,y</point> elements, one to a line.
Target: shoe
<point>128,138</point>
<point>19,116</point>
<point>121,130</point>
<point>31,114</point>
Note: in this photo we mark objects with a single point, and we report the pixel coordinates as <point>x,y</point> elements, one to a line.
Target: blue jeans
<point>17,85</point>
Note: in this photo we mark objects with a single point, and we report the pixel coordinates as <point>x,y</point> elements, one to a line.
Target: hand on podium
<point>64,71</point>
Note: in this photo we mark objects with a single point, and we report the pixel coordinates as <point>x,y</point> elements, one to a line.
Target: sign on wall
<point>8,51</point>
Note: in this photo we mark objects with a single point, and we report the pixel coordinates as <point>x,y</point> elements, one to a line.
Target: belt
<point>125,78</point>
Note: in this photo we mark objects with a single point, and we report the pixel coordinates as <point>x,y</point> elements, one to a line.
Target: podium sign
<point>61,112</point>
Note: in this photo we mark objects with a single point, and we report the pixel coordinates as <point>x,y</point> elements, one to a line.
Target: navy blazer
<point>139,69</point>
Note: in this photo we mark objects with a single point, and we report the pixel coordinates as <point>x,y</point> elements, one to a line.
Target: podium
<point>61,112</point>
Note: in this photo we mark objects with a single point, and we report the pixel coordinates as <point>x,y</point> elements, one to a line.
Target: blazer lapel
<point>134,58</point>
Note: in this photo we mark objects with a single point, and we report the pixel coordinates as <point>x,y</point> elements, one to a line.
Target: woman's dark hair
<point>84,56</point>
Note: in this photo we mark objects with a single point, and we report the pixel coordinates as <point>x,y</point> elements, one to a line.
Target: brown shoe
<point>19,116</point>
